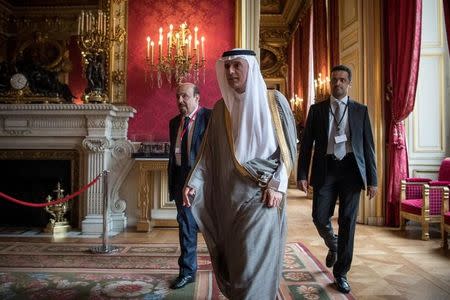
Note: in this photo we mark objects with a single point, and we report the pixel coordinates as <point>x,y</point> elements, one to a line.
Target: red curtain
<point>320,38</point>
<point>306,56</point>
<point>299,57</point>
<point>333,16</point>
<point>403,24</point>
<point>447,18</point>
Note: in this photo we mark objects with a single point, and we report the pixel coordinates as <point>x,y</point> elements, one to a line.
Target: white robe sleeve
<point>279,181</point>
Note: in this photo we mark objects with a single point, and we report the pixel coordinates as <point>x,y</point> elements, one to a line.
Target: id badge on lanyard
<point>340,138</point>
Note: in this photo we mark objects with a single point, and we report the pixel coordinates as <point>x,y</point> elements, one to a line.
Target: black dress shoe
<point>331,258</point>
<point>342,284</point>
<point>181,281</point>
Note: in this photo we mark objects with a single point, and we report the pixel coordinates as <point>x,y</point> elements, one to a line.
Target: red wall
<point>156,106</point>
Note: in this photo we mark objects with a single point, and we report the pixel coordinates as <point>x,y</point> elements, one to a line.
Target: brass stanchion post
<point>105,248</point>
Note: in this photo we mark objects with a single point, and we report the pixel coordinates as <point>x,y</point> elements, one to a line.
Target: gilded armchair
<point>421,199</point>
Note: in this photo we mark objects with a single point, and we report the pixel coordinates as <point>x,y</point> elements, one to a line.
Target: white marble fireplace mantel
<point>97,131</point>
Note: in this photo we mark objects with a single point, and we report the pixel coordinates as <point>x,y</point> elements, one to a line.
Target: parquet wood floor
<point>387,263</point>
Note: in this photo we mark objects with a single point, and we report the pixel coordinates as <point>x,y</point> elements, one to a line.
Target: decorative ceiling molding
<point>293,9</point>
<point>272,6</point>
<point>59,11</point>
<point>50,3</point>
<point>275,36</point>
<point>5,7</point>
<point>39,8</point>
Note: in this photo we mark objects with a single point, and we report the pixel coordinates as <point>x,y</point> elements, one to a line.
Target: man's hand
<point>188,191</point>
<point>371,191</point>
<point>302,185</point>
<point>272,198</point>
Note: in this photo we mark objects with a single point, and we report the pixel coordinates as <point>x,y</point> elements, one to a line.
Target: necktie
<point>339,148</point>
<point>184,143</point>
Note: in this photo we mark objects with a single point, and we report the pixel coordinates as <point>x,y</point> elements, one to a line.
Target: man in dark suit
<point>343,164</point>
<point>186,133</point>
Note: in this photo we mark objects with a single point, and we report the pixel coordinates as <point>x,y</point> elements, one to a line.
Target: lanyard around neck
<point>342,117</point>
<point>191,120</point>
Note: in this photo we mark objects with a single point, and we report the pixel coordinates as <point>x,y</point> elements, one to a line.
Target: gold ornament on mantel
<point>58,224</point>
<point>94,42</point>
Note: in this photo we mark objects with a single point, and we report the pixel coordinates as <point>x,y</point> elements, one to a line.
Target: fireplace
<point>90,137</point>
<point>32,175</point>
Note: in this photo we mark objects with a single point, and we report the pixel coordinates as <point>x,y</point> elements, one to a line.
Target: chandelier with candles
<point>297,108</point>
<point>179,57</point>
<point>322,88</point>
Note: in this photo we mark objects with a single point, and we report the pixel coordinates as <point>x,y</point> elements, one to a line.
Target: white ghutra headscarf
<point>253,132</point>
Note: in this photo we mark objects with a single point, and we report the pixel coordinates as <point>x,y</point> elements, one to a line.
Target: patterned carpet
<point>71,271</point>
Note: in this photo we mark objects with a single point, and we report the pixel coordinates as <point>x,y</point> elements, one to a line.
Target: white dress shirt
<point>344,124</point>
<point>189,133</point>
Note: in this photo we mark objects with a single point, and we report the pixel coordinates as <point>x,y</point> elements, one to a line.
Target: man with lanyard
<point>343,164</point>
<point>186,131</point>
<point>238,187</point>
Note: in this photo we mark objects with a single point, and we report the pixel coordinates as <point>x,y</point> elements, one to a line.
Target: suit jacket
<point>200,124</point>
<point>316,133</point>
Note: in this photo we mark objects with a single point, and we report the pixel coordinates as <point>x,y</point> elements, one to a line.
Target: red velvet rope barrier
<point>58,201</point>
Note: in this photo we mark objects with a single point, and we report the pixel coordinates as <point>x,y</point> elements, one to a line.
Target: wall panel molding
<point>361,49</point>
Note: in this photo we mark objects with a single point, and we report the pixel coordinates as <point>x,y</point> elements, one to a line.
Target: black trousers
<point>187,229</point>
<point>344,181</point>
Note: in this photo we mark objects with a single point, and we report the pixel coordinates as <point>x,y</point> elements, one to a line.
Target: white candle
<point>104,23</point>
<point>99,13</point>
<point>195,37</point>
<point>79,25</point>
<point>89,21</point>
<point>197,51</point>
<point>100,21</point>
<point>160,49</point>
<point>152,44</point>
<point>148,47</point>
<point>203,47</point>
<point>168,41</point>
<point>82,21</point>
<point>190,43</point>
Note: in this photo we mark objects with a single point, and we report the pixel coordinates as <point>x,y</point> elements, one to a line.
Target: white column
<point>106,148</point>
<point>96,154</point>
<point>248,24</point>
